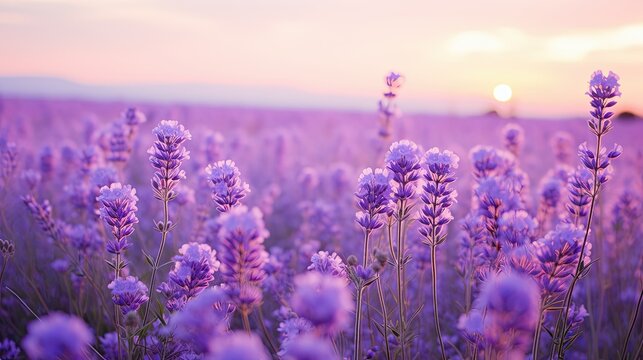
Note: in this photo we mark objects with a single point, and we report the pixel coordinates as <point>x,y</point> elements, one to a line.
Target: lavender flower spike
<point>167,156</point>
<point>194,268</point>
<point>129,293</point>
<point>372,194</point>
<point>438,197</point>
<point>226,184</point>
<point>118,210</point>
<point>241,234</point>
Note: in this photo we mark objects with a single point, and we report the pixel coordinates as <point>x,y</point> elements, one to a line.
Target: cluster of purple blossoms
<point>133,118</point>
<point>324,300</point>
<point>9,350</point>
<point>7,249</point>
<point>110,346</point>
<point>225,181</point>
<point>193,272</point>
<point>513,136</point>
<point>42,212</point>
<point>403,162</point>
<point>201,319</point>
<point>330,264</point>
<point>309,347</point>
<point>118,210</point>
<point>438,196</point>
<point>488,161</point>
<point>290,329</point>
<point>373,198</point>
<point>237,345</point>
<point>129,293</point>
<point>505,316</point>
<point>241,234</point>
<point>558,253</point>
<point>213,147</point>
<point>47,163</point>
<point>119,149</point>
<point>58,336</point>
<point>166,156</point>
<point>562,145</point>
<point>516,228</point>
<point>8,161</point>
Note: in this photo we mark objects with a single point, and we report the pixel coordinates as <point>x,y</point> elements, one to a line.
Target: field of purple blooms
<point>257,234</point>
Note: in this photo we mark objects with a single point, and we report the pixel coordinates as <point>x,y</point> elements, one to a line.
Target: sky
<point>452,53</point>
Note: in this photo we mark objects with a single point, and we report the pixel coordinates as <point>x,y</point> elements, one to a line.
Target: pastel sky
<point>452,53</point>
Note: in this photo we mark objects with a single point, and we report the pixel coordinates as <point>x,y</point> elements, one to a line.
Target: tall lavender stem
<point>166,156</point>
<point>602,90</point>
<point>435,215</point>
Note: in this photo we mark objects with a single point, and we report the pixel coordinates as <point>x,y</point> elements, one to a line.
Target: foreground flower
<point>323,300</point>
<point>237,346</point>
<point>203,318</point>
<point>58,336</point>
<point>505,315</point>
<point>128,293</point>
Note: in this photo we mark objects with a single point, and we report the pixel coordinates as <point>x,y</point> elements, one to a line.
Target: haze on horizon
<point>452,54</point>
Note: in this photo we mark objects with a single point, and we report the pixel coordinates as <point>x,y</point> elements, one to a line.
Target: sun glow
<point>502,92</point>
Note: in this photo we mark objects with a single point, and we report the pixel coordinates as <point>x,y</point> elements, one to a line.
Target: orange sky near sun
<point>452,53</point>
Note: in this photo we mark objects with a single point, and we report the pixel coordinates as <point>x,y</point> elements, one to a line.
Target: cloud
<point>577,47</point>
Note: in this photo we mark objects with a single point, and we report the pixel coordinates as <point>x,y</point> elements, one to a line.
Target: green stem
<point>400,279</point>
<point>157,260</point>
<point>436,317</point>
<point>536,344</point>
<point>246,321</point>
<point>380,294</point>
<point>629,333</point>
<point>358,323</point>
<point>562,318</point>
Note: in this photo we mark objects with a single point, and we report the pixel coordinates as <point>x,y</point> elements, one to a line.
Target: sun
<point>502,92</point>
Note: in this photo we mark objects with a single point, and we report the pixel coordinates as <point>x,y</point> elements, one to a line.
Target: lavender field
<point>169,231</point>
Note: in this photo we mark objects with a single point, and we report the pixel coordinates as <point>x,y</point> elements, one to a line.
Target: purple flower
<point>47,163</point>
<point>203,318</point>
<point>166,156</point>
<point>43,214</point>
<point>562,144</point>
<point>8,161</point>
<point>330,264</point>
<point>237,346</point>
<point>309,347</point>
<point>118,210</point>
<point>290,329</point>
<point>133,117</point>
<point>510,306</point>
<point>7,249</point>
<point>129,293</point>
<point>213,146</point>
<point>57,336</point>
<point>119,147</point>
<point>241,234</point>
<point>373,197</point>
<point>403,161</point>
<point>194,268</point>
<point>9,350</point>
<point>516,228</point>
<point>225,181</point>
<point>513,135</point>
<point>109,344</point>
<point>558,254</point>
<point>438,196</point>
<point>323,300</point>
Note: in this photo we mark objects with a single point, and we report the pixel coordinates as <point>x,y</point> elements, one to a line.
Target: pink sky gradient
<point>452,53</point>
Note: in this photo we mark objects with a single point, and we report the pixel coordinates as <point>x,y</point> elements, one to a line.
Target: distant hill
<point>57,88</point>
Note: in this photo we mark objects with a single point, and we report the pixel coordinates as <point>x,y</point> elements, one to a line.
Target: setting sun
<point>502,92</point>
